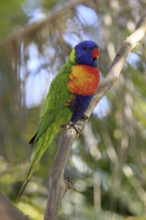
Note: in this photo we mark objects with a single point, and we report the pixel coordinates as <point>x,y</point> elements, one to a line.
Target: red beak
<point>95,53</point>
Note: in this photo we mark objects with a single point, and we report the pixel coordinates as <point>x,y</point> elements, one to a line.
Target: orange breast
<point>83,80</point>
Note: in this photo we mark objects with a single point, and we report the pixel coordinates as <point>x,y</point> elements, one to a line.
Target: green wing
<point>54,115</point>
<point>56,98</point>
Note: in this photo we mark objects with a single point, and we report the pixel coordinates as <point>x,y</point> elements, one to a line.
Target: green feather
<point>54,115</point>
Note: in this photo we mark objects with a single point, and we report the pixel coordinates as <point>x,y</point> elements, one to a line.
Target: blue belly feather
<point>79,106</point>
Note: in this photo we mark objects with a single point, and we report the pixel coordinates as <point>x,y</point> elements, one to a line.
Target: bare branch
<point>23,32</point>
<point>8,211</point>
<point>57,185</point>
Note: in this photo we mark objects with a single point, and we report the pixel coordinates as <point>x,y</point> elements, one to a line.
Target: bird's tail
<point>36,157</point>
<point>41,147</point>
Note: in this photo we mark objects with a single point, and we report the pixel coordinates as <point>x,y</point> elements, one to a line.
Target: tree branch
<point>8,211</point>
<point>57,185</point>
<point>23,32</point>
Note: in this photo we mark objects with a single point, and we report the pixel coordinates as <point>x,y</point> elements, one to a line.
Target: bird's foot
<point>76,126</point>
<point>73,125</point>
<point>84,117</point>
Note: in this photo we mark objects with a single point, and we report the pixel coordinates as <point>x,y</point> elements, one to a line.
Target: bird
<point>68,97</point>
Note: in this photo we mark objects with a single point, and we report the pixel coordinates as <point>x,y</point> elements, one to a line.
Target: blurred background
<point>108,161</point>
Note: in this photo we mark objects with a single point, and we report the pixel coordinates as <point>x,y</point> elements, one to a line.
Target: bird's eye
<point>84,48</point>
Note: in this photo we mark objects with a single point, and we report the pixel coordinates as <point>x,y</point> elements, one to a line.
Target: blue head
<point>86,53</point>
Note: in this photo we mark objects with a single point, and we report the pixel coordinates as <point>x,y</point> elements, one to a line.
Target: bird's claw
<point>84,117</point>
<point>75,126</point>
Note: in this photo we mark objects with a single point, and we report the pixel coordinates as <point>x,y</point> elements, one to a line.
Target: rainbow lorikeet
<point>69,96</point>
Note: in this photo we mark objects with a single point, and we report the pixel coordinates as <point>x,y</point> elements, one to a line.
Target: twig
<point>23,32</point>
<point>57,185</point>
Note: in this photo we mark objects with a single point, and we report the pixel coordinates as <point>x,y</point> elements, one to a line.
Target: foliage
<point>107,162</point>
